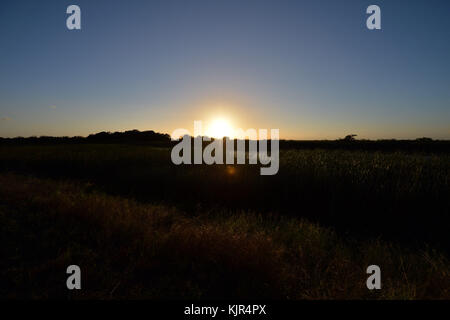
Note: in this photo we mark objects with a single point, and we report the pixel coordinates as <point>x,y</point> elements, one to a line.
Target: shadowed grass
<point>131,250</point>
<point>402,197</point>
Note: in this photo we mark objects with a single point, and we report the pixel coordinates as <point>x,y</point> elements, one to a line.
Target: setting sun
<point>220,128</point>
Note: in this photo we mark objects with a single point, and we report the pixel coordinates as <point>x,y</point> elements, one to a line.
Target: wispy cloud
<point>52,107</point>
<point>5,118</point>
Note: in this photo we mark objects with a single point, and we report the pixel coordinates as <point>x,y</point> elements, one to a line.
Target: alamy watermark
<point>73,22</point>
<point>223,151</point>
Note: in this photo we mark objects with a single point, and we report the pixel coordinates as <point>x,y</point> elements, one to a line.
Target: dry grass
<point>135,251</point>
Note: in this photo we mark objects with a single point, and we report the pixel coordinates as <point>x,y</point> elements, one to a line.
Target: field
<point>141,227</point>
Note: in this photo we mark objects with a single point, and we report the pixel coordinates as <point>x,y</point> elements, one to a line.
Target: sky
<point>309,68</point>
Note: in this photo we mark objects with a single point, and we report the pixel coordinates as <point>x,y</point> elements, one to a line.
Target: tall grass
<point>128,249</point>
<point>398,196</point>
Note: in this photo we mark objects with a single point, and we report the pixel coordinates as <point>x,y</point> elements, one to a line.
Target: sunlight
<point>219,128</point>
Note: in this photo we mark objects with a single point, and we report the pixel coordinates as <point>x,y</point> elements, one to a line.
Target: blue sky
<point>310,68</point>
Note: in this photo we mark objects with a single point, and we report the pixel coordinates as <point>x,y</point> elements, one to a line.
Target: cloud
<point>52,107</point>
<point>5,118</point>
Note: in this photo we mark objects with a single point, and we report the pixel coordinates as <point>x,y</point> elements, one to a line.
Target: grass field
<point>140,227</point>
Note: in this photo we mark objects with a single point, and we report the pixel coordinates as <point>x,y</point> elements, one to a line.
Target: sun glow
<point>220,128</point>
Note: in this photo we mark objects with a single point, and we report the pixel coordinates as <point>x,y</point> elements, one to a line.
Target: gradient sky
<point>310,68</point>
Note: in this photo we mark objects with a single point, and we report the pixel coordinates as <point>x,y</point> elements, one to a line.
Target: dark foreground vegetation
<point>142,227</point>
<point>131,250</point>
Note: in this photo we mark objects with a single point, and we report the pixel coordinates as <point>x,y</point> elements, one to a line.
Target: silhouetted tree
<point>350,137</point>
